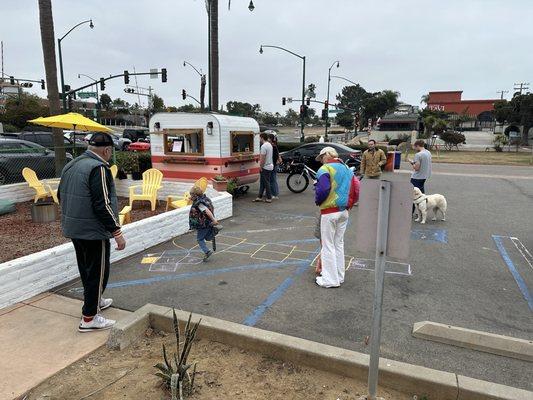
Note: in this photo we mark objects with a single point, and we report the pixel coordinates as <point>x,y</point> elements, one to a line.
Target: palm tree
<point>46,20</point>
<point>424,99</point>
<point>213,49</point>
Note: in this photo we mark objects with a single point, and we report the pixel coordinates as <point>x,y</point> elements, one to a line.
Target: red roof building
<point>451,102</point>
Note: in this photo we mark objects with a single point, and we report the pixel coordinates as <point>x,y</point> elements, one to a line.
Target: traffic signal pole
<point>302,121</point>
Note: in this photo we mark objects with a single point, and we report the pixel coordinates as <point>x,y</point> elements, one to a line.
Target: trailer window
<point>242,142</point>
<point>184,142</point>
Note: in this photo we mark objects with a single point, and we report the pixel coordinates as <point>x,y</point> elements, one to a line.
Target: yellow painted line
<point>288,255</point>
<point>349,263</point>
<point>260,248</point>
<point>149,260</point>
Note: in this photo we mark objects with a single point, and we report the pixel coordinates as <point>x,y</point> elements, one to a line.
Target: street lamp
<point>91,25</point>
<point>327,104</point>
<point>97,95</point>
<point>202,84</point>
<point>303,83</point>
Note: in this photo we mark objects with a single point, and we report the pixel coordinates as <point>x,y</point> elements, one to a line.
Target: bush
<point>452,139</point>
<point>499,141</point>
<point>8,128</point>
<point>286,146</point>
<point>400,139</point>
<point>145,160</point>
<point>311,139</point>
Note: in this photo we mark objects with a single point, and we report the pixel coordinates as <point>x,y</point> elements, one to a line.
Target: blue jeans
<point>202,235</point>
<point>274,187</point>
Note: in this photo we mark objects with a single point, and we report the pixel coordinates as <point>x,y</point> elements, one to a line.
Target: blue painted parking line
<point>255,316</point>
<point>516,275</point>
<point>430,235</point>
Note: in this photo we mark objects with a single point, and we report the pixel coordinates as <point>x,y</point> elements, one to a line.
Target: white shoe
<point>98,323</point>
<point>320,282</point>
<point>105,303</point>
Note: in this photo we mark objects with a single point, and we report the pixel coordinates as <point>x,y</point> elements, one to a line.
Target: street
<point>473,271</point>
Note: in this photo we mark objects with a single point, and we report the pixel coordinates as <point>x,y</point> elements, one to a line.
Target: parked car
<point>16,154</point>
<point>120,143</point>
<point>308,152</point>
<point>136,135</point>
<point>76,137</point>
<point>139,146</point>
<point>46,139</point>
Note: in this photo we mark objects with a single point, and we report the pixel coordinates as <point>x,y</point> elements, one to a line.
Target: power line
<point>521,86</point>
<point>502,92</point>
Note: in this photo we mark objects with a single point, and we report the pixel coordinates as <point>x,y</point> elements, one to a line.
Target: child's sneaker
<point>207,255</point>
<point>98,323</point>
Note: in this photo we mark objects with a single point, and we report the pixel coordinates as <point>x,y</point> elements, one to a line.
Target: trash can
<point>397,159</point>
<point>389,166</point>
<point>44,211</point>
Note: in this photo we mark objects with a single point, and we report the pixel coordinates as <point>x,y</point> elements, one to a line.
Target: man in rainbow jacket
<point>336,191</point>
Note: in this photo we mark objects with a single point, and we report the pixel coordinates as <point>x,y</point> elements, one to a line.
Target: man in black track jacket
<point>89,217</point>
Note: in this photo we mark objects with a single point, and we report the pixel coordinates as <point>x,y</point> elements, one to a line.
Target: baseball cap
<point>327,150</point>
<point>100,139</point>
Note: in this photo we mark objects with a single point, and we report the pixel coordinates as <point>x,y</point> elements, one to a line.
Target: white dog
<point>423,203</point>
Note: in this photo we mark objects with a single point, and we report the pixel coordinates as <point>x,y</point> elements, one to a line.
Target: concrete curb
<point>411,379</point>
<point>475,340</point>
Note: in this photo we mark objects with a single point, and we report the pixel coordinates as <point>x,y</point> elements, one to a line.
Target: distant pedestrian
<point>421,165</point>
<point>267,166</point>
<point>89,217</point>
<point>276,158</point>
<point>202,219</point>
<point>372,161</point>
<point>336,191</point>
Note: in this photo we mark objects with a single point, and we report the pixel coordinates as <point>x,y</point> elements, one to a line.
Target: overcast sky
<point>412,46</point>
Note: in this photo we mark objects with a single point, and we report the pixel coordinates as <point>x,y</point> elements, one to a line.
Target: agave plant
<point>176,375</point>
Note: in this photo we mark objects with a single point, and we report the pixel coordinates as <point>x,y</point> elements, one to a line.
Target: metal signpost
<point>389,204</point>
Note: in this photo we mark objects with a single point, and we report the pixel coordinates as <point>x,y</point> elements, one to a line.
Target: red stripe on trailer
<point>202,160</point>
<point>251,174</point>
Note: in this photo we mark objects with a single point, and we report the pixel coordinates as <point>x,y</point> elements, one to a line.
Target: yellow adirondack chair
<point>114,170</point>
<point>185,200</point>
<point>152,179</point>
<point>41,191</point>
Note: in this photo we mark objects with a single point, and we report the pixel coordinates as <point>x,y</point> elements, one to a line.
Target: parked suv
<point>136,135</point>
<point>46,139</point>
<point>16,154</point>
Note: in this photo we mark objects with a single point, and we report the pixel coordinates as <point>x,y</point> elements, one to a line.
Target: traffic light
<point>12,80</point>
<point>183,94</point>
<point>102,84</point>
<point>42,84</point>
<point>283,101</point>
<point>26,84</point>
<point>163,75</point>
<point>67,88</point>
<point>326,105</point>
<point>324,114</point>
<point>303,111</point>
<point>308,101</point>
<point>126,77</point>
<point>129,90</point>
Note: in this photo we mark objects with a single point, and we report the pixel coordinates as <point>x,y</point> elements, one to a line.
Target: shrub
<point>311,139</point>
<point>177,377</point>
<point>387,139</point>
<point>400,139</point>
<point>452,139</point>
<point>219,178</point>
<point>8,128</point>
<point>145,160</point>
<point>127,162</point>
<point>499,141</point>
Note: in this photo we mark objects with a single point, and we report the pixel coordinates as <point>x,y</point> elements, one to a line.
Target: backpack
<point>197,218</point>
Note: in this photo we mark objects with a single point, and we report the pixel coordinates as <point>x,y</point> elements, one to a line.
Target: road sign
<point>153,73</point>
<point>289,99</point>
<point>335,112</point>
<point>87,95</point>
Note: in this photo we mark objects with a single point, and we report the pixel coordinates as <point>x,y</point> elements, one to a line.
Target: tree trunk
<point>213,22</point>
<point>525,131</point>
<point>46,20</point>
<point>202,94</point>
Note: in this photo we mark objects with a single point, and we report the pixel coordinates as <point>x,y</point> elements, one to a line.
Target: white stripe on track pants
<point>332,228</point>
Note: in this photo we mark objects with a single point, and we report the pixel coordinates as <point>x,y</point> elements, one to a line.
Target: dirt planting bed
<point>20,236</point>
<point>223,372</point>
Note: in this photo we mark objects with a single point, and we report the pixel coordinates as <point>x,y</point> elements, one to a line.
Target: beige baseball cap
<point>327,150</point>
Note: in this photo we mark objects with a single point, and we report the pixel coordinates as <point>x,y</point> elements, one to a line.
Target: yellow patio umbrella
<point>71,121</point>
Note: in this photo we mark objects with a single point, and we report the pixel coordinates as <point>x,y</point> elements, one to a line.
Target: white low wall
<point>19,192</point>
<point>28,276</point>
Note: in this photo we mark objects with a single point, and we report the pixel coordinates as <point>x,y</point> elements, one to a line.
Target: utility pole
<point>521,86</point>
<point>2,56</point>
<point>502,92</point>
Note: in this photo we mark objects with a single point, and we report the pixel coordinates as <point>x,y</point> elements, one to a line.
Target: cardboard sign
<point>400,218</point>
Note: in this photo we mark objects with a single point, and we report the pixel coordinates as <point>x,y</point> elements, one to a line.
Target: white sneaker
<point>98,323</point>
<point>105,303</point>
<point>320,282</point>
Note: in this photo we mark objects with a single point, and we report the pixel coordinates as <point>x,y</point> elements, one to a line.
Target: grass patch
<point>482,157</point>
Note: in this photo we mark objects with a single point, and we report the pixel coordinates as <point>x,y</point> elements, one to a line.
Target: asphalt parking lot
<point>475,271</point>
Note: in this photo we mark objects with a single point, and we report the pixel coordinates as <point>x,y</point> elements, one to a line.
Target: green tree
<point>172,109</point>
<point>517,111</point>
<point>291,117</point>
<point>243,109</point>
<point>157,103</point>
<point>268,118</point>
<point>369,105</point>
<point>19,109</point>
<point>345,119</point>
<point>105,101</point>
<point>189,108</point>
<point>424,99</point>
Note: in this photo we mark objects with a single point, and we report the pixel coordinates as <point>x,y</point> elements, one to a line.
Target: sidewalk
<point>39,338</point>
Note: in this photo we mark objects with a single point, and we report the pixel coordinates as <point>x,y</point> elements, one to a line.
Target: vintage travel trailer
<point>188,146</point>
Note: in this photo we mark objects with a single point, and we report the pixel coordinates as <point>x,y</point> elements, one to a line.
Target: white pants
<point>332,228</point>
